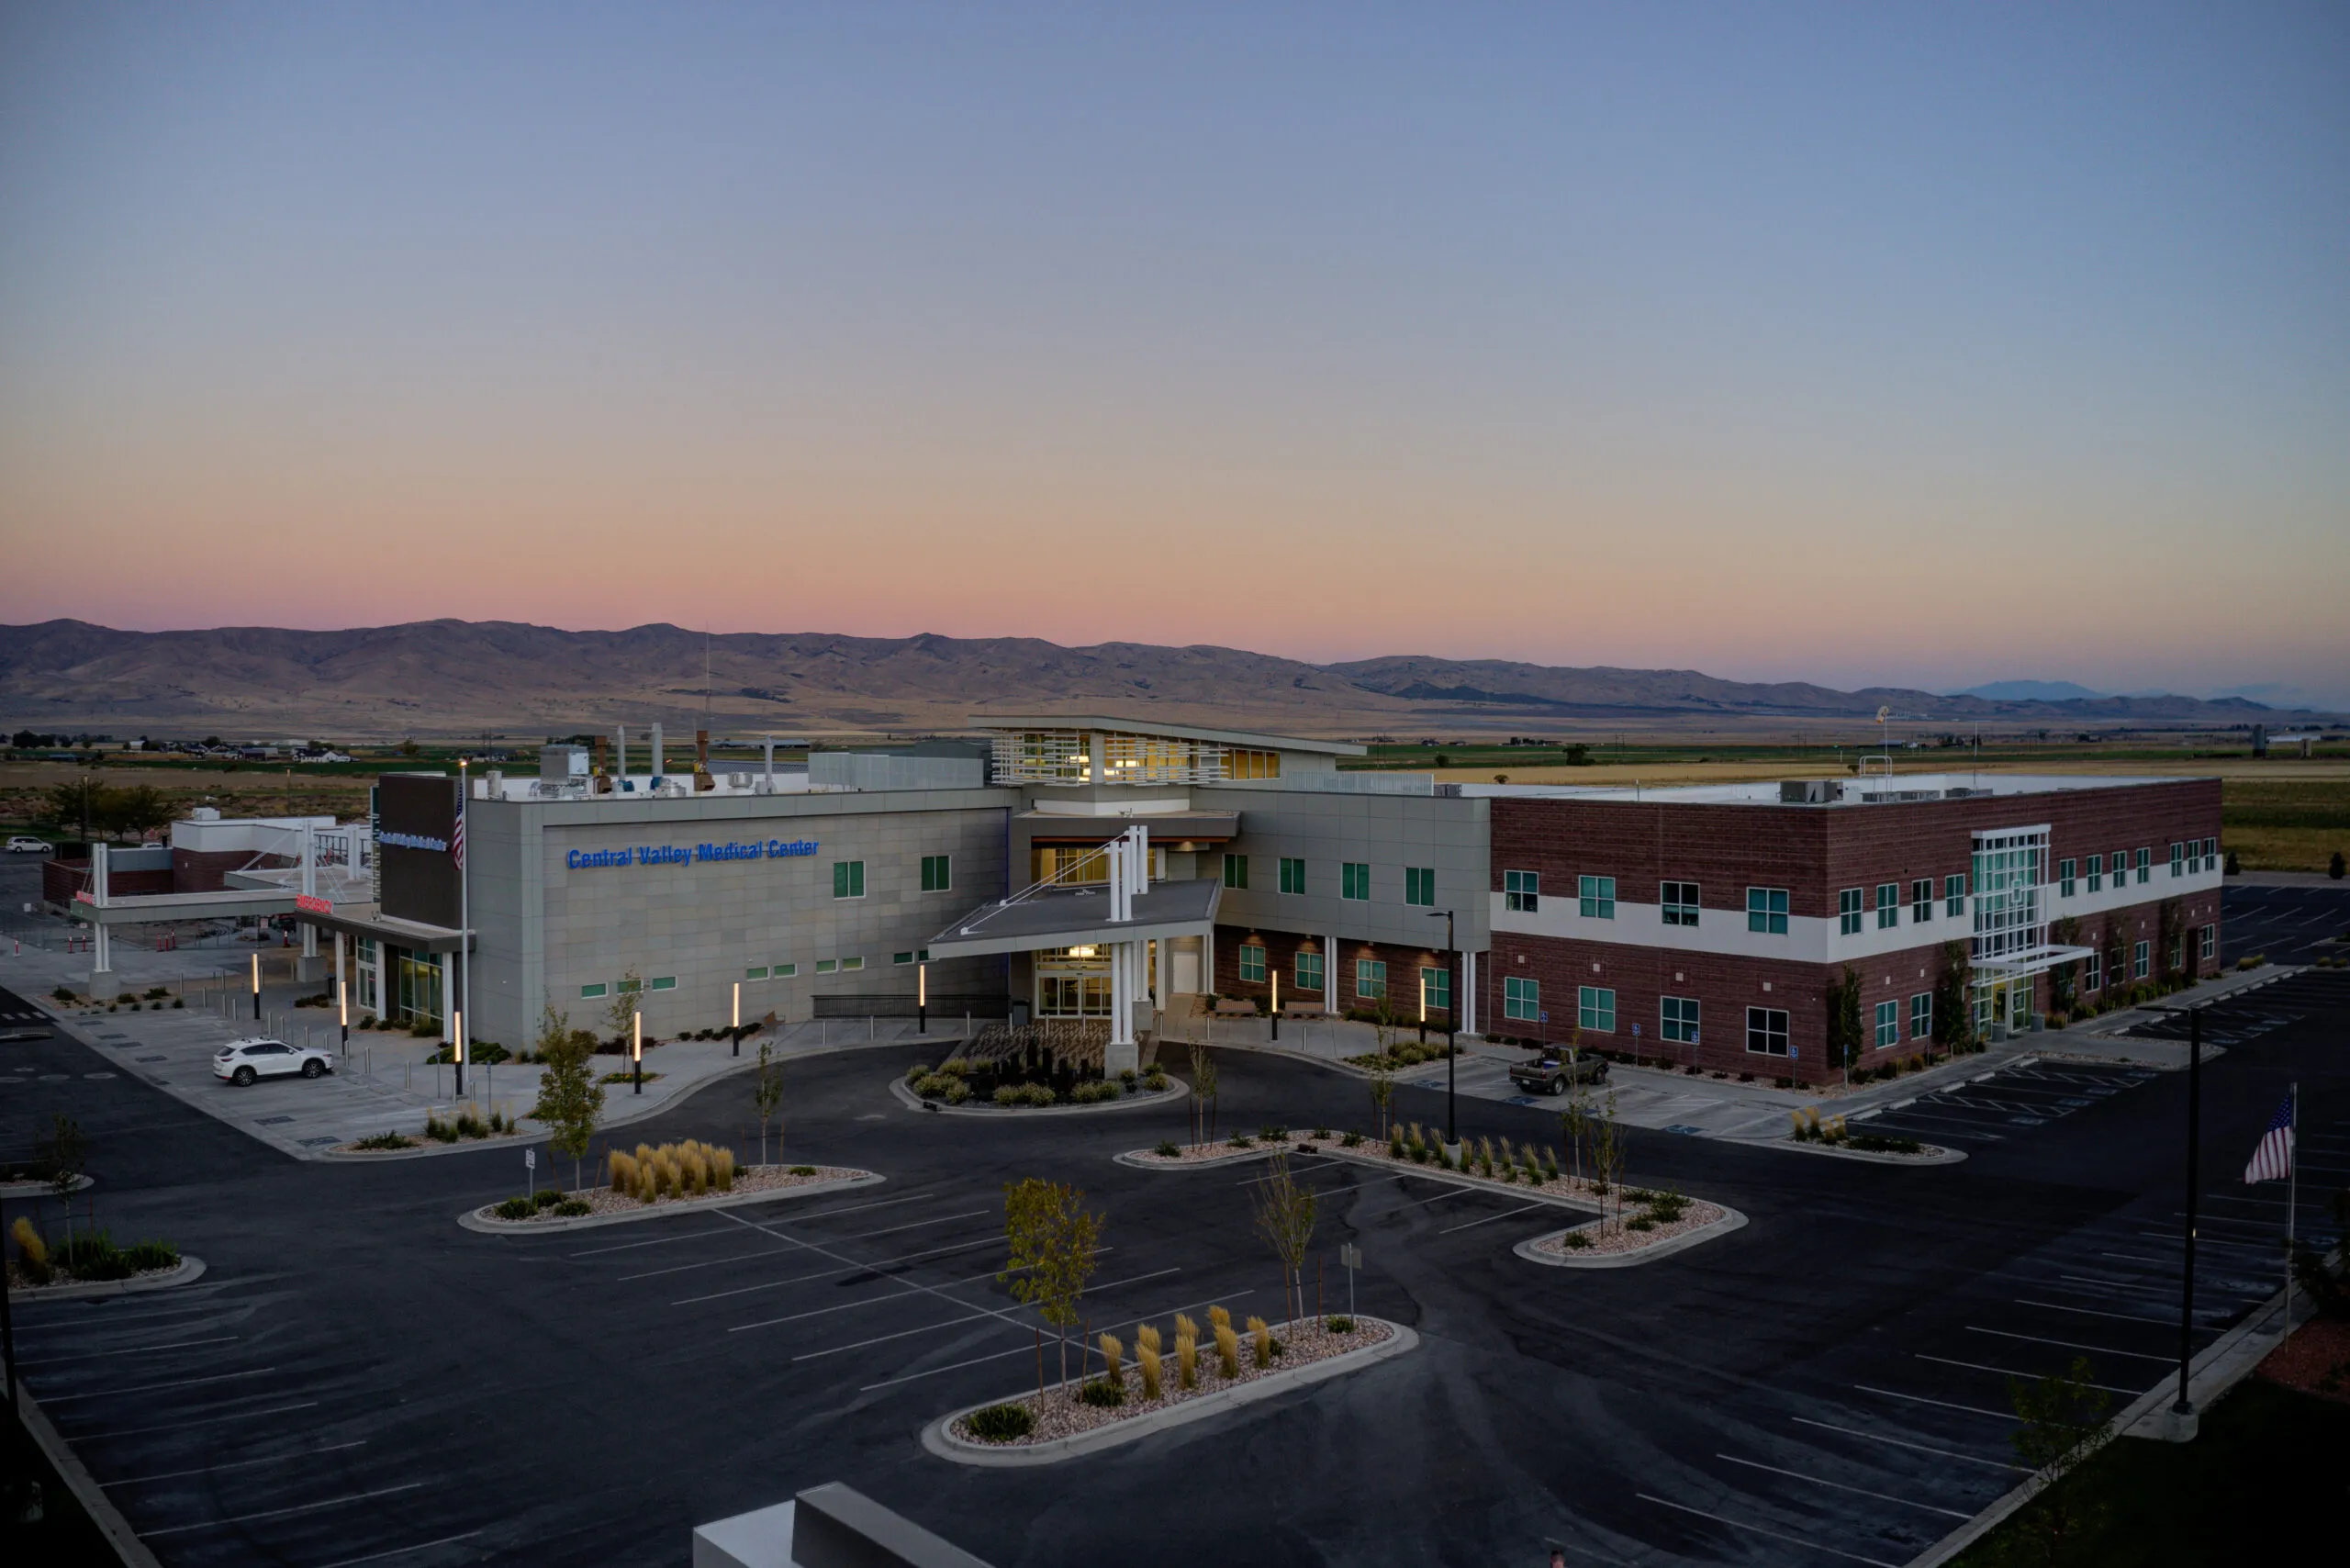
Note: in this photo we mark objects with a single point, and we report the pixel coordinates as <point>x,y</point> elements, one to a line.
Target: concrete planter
<point>1176,1089</point>
<point>486,1221</point>
<point>1730,1220</point>
<point>190,1270</point>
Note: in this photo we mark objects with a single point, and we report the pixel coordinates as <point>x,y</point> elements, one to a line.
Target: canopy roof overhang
<point>1081,918</point>
<point>146,909</point>
<point>2029,961</point>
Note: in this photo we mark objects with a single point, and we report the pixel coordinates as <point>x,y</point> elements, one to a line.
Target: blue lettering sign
<point>658,853</point>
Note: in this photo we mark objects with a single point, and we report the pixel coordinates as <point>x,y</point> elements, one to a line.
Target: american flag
<point>457,840</point>
<point>2273,1161</point>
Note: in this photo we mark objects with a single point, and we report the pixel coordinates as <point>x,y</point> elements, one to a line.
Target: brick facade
<point>1281,947</point>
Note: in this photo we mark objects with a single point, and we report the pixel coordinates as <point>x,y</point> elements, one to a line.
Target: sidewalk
<point>385,1084</point>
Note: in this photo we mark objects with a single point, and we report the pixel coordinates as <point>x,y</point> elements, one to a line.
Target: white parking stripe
<point>853,1306</point>
<point>2010,1371</point>
<point>783,1251</point>
<point>1839,1486</point>
<point>1489,1219</point>
<point>931,1327</point>
<point>397,1551</point>
<point>1921,1399</point>
<point>2069,1344</point>
<point>237,1464</point>
<point>1774,1535</point>
<point>198,1421</point>
<point>1922,1448</point>
<point>132,1350</point>
<point>2124,1316</point>
<point>851,1269</point>
<point>280,1513</point>
<point>155,1387</point>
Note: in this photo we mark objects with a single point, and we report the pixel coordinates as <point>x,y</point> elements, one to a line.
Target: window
<point>1888,1025</point>
<point>1436,989</point>
<point>1766,910</point>
<point>2120,869</point>
<point>1922,1015</point>
<point>1252,962</point>
<point>826,966</point>
<point>1371,979</point>
<point>2178,951</point>
<point>2097,873</point>
<point>662,982</point>
<point>1236,871</point>
<point>1292,875</point>
<point>630,987</point>
<point>2177,857</point>
<point>2065,879</point>
<point>2093,970</point>
<point>783,972</point>
<point>937,874</point>
<point>2211,855</point>
<point>848,879</point>
<point>1420,884</point>
<point>1955,896</point>
<point>1596,1009</point>
<point>848,965</point>
<point>592,992</point>
<point>1521,999</point>
<point>756,972</point>
<point>901,957</point>
<point>2145,866</point>
<point>1766,1031</point>
<point>1888,904</point>
<point>1596,897</point>
<point>1679,901</point>
<point>2142,961</point>
<point>2208,946</point>
<point>1677,1019</point>
<point>1309,971</point>
<point>1522,890</point>
<point>1848,912</point>
<point>1241,764</point>
<point>1922,898</point>
<point>1354,879</point>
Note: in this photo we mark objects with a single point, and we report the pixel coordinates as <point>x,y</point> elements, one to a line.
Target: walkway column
<point>1466,1003</point>
<point>310,886</point>
<point>1122,1054</point>
<point>101,937</point>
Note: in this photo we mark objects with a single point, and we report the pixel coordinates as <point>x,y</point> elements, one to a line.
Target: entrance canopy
<point>1080,917</point>
<point>143,909</point>
<point>2029,961</point>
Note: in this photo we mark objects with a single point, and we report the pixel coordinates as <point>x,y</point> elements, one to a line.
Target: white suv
<point>241,1062</point>
<point>25,844</point>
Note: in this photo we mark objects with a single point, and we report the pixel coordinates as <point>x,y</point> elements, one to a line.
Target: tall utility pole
<point>1451,1025</point>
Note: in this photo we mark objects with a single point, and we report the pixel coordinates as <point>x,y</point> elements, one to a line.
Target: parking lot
<point>357,1379</point>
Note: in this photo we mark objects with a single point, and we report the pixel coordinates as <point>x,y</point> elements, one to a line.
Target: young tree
<point>1953,1000</point>
<point>569,1097</point>
<point>766,1094</point>
<point>1203,1094</point>
<point>65,1151</point>
<point>2064,1428</point>
<point>620,1015</point>
<point>1382,1097</point>
<point>1053,1241</point>
<point>1610,1145</point>
<point>1846,1038</point>
<point>1286,1219</point>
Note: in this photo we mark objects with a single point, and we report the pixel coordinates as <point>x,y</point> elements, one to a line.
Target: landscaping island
<point>663,1179</point>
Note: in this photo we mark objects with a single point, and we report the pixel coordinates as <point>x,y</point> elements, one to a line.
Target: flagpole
<point>466,888</point>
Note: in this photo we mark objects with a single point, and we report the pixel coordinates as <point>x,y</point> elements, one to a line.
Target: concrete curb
<point>1731,1220</point>
<point>128,1547</point>
<point>471,1219</point>
<point>40,1189</point>
<point>1502,1188</point>
<point>1134,1160</point>
<point>190,1270</point>
<point>463,1146</point>
<point>1176,1089</point>
<point>2221,1365</point>
<point>939,1439</point>
<point>1935,1154</point>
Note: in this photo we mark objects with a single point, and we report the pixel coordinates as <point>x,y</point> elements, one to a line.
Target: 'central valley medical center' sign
<point>679,855</point>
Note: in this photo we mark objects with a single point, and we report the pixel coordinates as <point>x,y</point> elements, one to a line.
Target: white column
<point>1093,758</point>
<point>102,943</point>
<point>309,885</point>
<point>1122,1054</point>
<point>1467,1000</point>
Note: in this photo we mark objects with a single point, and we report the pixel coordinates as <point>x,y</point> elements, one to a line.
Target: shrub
<point>1265,1347</point>
<point>438,1130</point>
<point>1024,1094</point>
<point>1103,1392</point>
<point>1000,1423</point>
<point>386,1141</point>
<point>1156,1083</point>
<point>32,1253</point>
<point>1323,1133</point>
<point>803,1171</point>
<point>1242,1140</point>
<point>1341,1324</point>
<point>571,1208</point>
<point>1095,1093</point>
<point>1667,1207</point>
<point>1395,1143</point>
<point>1167,1149</point>
<point>1273,1132</point>
<point>1639,1222</point>
<point>1576,1239</point>
<point>916,1073</point>
<point>1227,1348</point>
<point>1550,1165</point>
<point>2252,960</point>
<point>63,993</point>
<point>1881,1143</point>
<point>954,1067</point>
<point>517,1208</point>
<point>1350,1139</point>
<point>545,1198</point>
<point>151,1255</point>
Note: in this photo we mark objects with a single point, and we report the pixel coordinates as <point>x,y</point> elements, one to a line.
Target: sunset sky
<point>1855,343</point>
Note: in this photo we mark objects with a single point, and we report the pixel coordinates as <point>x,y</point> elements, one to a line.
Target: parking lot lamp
<point>457,1048</point>
<point>1274,975</point>
<point>921,998</point>
<point>1452,1017</point>
<point>735,1031</point>
<point>342,1004</point>
<point>636,1052</point>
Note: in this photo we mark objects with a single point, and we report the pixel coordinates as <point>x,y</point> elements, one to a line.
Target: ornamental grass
<point>1227,1348</point>
<point>1114,1359</point>
<point>1146,1357</point>
<point>1187,1360</point>
<point>1261,1332</point>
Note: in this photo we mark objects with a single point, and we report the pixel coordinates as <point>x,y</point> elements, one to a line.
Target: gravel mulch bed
<point>20,1284</point>
<point>1564,1188</point>
<point>2319,1352</point>
<point>1060,1414</point>
<point>418,1140</point>
<point>749,1179</point>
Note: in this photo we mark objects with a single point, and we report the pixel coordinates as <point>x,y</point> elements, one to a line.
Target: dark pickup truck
<point>1551,1075</point>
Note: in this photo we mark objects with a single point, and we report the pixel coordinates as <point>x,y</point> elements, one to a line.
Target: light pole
<point>921,999</point>
<point>1274,975</point>
<point>1452,1021</point>
<point>343,1006</point>
<point>736,1033</point>
<point>457,1048</point>
<point>256,988</point>
<point>636,1050</point>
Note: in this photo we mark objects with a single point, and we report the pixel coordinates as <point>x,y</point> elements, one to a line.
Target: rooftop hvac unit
<point>1810,793</point>
<point>562,764</point>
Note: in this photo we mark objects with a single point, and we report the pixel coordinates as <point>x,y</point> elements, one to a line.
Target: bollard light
<point>636,1050</point>
<point>921,999</point>
<point>256,988</point>
<point>736,1030</point>
<point>1275,975</point>
<point>343,1006</point>
<point>457,1048</point>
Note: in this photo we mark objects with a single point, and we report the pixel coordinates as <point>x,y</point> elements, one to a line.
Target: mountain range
<point>452,678</point>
